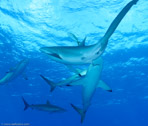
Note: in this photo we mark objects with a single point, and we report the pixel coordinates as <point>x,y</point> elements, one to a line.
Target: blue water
<point>27,25</point>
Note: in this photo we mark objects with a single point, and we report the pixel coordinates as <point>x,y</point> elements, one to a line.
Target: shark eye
<point>97,53</point>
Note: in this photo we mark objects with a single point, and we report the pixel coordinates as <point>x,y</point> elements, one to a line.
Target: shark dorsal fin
<point>73,37</point>
<point>83,42</point>
<point>48,103</point>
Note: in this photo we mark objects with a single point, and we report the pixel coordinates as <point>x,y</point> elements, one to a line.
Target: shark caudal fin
<point>25,103</point>
<point>118,19</point>
<point>104,86</point>
<point>52,84</point>
<point>80,111</point>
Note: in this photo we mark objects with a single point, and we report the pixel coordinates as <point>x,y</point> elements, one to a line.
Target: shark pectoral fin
<point>83,42</point>
<point>80,111</point>
<point>52,84</point>
<point>104,86</point>
<point>56,55</point>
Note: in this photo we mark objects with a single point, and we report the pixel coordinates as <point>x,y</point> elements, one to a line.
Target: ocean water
<point>26,26</point>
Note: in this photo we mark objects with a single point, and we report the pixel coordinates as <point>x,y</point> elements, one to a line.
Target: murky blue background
<point>27,25</point>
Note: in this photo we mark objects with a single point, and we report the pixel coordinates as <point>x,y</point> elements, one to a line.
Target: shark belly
<point>91,82</point>
<point>72,54</point>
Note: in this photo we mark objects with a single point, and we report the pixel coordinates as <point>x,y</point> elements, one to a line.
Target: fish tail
<point>118,19</point>
<point>25,103</point>
<point>80,111</point>
<point>49,82</point>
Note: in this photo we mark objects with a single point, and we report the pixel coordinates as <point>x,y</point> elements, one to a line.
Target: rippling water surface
<point>27,25</point>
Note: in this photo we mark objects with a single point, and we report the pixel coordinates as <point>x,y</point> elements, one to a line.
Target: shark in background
<point>48,107</point>
<point>85,54</point>
<point>15,71</point>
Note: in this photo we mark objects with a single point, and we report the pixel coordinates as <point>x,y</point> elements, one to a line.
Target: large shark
<point>85,54</point>
<point>14,72</point>
<point>48,107</point>
<point>89,83</point>
<point>73,80</point>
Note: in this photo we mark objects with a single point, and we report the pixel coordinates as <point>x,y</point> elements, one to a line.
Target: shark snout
<point>43,49</point>
<point>47,50</point>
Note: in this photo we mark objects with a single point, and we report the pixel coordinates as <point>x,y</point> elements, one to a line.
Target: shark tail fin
<point>80,111</point>
<point>104,86</point>
<point>25,103</point>
<point>135,1</point>
<point>52,84</point>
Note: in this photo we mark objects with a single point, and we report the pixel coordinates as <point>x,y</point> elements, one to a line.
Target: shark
<point>73,81</point>
<point>89,84</point>
<point>48,107</point>
<point>15,71</point>
<point>77,55</point>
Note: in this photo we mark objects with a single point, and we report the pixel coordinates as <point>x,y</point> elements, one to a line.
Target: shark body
<point>48,107</point>
<point>85,54</point>
<point>73,81</point>
<point>14,72</point>
<point>89,83</point>
<point>89,79</point>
